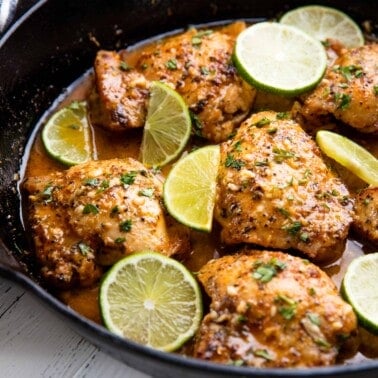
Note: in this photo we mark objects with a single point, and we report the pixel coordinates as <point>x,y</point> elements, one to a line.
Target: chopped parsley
<point>125,226</point>
<point>262,122</point>
<point>84,248</point>
<point>263,353</point>
<point>323,343</point>
<point>46,194</point>
<point>171,64</point>
<point>349,72</point>
<point>196,124</point>
<point>292,228</point>
<point>342,100</point>
<point>128,178</point>
<point>264,272</point>
<point>304,236</point>
<point>104,185</point>
<point>282,115</point>
<point>231,162</point>
<point>272,130</point>
<point>123,66</point>
<point>288,306</point>
<point>237,146</point>
<point>280,154</point>
<point>314,318</point>
<point>375,90</point>
<point>284,212</point>
<point>148,192</point>
<point>204,71</point>
<point>114,211</point>
<point>261,163</point>
<point>197,38</point>
<point>92,182</point>
<point>119,240</point>
<point>89,208</point>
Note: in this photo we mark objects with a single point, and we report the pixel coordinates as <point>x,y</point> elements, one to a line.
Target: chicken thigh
<point>348,92</point>
<point>197,64</point>
<point>95,213</point>
<point>366,219</point>
<point>270,309</point>
<point>274,190</point>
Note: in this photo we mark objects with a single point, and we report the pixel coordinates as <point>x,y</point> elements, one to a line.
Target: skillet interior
<point>43,53</point>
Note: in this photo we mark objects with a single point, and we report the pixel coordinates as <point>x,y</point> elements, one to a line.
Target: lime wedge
<point>167,127</point>
<point>350,155</point>
<point>189,190</point>
<point>324,22</point>
<point>359,288</point>
<point>279,58</point>
<point>66,135</point>
<point>151,299</point>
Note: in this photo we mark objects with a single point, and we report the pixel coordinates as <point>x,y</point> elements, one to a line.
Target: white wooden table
<point>35,342</point>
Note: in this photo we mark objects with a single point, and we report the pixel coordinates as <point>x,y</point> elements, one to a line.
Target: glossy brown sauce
<point>204,246</point>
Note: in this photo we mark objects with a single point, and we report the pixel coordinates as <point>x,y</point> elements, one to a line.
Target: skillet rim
<point>92,330</point>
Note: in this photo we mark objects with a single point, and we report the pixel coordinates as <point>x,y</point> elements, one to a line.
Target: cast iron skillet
<point>43,53</point>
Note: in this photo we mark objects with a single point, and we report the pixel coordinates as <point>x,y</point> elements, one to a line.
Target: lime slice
<point>151,299</point>
<point>323,22</point>
<point>189,190</point>
<point>359,288</point>
<point>167,127</point>
<point>66,135</point>
<point>279,58</point>
<point>350,155</point>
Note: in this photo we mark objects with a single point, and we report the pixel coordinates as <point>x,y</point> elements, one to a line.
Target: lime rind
<point>279,58</point>
<point>168,126</point>
<point>359,290</point>
<point>323,22</point>
<point>190,188</point>
<point>350,155</point>
<point>146,277</point>
<point>63,130</point>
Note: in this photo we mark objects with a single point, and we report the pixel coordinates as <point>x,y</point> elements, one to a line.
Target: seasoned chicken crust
<point>271,309</point>
<point>274,190</point>
<point>95,213</point>
<point>348,92</point>
<point>365,222</point>
<point>197,64</point>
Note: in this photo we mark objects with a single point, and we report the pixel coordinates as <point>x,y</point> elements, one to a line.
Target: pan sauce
<point>205,247</point>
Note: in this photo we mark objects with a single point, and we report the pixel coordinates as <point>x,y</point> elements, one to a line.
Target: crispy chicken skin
<point>95,213</point>
<point>366,218</point>
<point>196,63</point>
<point>347,92</point>
<point>271,309</point>
<point>274,190</point>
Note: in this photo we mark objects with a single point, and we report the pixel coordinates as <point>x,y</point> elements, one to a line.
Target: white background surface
<point>35,342</point>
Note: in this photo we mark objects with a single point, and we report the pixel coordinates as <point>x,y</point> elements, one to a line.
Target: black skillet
<point>42,54</point>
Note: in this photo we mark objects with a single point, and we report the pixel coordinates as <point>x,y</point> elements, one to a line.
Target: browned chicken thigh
<point>270,309</point>
<point>366,219</point>
<point>274,190</point>
<point>348,92</point>
<point>196,63</point>
<point>95,213</point>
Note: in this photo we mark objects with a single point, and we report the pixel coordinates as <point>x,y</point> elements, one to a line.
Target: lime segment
<point>189,190</point>
<point>350,155</point>
<point>66,135</point>
<point>279,58</point>
<point>324,22</point>
<point>167,127</point>
<point>359,288</point>
<point>151,299</point>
